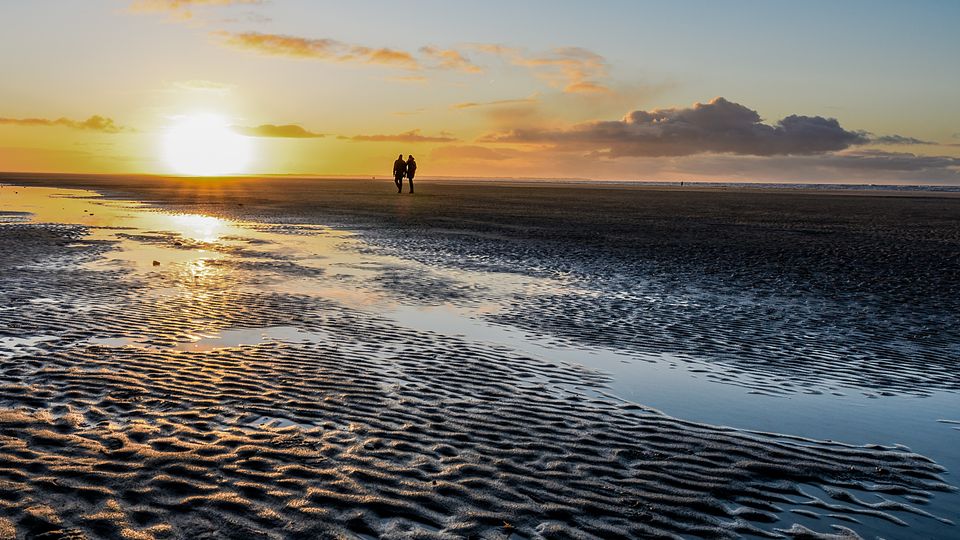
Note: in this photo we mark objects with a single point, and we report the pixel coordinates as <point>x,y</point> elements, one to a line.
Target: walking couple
<point>403,168</point>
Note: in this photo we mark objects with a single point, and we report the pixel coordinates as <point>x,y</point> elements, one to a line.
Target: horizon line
<point>369,177</point>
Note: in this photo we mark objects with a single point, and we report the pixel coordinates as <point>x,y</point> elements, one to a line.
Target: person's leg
<point>411,184</point>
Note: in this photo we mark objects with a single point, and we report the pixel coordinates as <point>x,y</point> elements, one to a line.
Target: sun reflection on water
<point>205,281</point>
<point>194,227</point>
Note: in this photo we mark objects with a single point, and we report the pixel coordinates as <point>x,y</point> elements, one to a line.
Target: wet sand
<point>338,418</point>
<point>823,288</point>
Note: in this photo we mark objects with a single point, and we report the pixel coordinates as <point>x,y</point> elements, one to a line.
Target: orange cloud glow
<point>574,68</point>
<point>316,49</point>
<point>287,131</point>
<point>451,59</point>
<point>474,104</point>
<point>94,123</point>
<point>182,9</point>
<point>413,136</point>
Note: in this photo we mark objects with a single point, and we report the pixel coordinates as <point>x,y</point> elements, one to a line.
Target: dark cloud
<point>890,161</point>
<point>899,139</point>
<point>719,126</point>
<point>846,166</point>
<point>287,131</point>
<point>94,123</point>
<point>413,136</point>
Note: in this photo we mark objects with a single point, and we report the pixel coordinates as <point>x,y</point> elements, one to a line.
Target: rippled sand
<point>268,378</point>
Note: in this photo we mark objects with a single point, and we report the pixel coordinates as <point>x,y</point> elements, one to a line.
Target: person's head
<point>410,157</point>
<point>401,156</point>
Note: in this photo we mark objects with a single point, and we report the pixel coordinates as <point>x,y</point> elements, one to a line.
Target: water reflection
<point>195,227</point>
<point>200,269</point>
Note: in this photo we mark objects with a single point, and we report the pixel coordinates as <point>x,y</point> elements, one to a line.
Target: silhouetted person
<point>411,171</point>
<point>399,169</point>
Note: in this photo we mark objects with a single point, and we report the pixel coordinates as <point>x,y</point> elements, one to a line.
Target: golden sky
<point>629,90</point>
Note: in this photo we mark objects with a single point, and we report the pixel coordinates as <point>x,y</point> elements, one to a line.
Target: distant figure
<point>399,168</point>
<point>411,171</point>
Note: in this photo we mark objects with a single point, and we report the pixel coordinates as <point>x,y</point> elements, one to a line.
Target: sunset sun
<point>204,145</point>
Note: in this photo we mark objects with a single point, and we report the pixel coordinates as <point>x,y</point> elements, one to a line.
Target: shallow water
<point>337,266</point>
<point>668,383</point>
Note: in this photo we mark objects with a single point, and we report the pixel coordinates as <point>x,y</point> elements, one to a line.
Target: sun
<point>204,145</point>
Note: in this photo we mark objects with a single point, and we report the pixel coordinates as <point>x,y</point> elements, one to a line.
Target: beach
<point>325,358</point>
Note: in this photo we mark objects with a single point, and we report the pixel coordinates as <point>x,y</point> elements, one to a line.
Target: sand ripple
<point>370,429</point>
<point>878,315</point>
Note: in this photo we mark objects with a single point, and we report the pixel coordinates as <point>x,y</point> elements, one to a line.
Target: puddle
<point>15,217</point>
<point>253,336</point>
<point>225,339</point>
<point>12,346</point>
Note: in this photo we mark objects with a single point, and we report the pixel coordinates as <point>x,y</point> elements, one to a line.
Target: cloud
<point>182,9</point>
<point>899,139</point>
<point>889,161</point>
<point>575,69</point>
<point>413,136</point>
<point>719,126</point>
<point>450,59</point>
<point>852,165</point>
<point>499,102</point>
<point>329,50</point>
<point>856,165</point>
<point>286,131</point>
<point>94,123</point>
<point>587,87</point>
<point>332,50</point>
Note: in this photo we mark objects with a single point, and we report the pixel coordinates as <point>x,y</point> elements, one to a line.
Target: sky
<point>813,91</point>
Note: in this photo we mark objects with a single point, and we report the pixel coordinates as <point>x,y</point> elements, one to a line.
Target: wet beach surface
<point>326,358</point>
